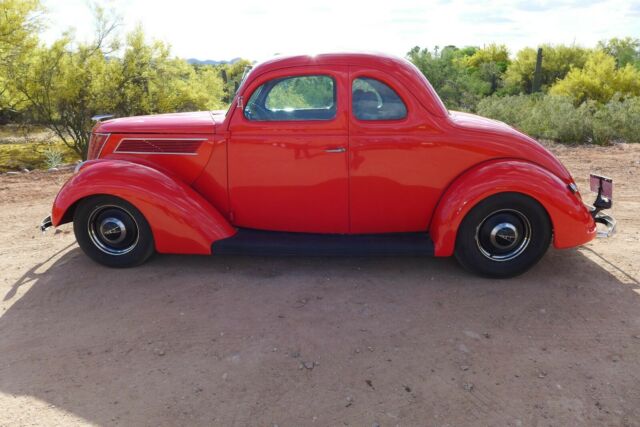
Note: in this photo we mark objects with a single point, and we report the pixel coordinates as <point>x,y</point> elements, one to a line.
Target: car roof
<point>341,58</point>
<point>399,67</point>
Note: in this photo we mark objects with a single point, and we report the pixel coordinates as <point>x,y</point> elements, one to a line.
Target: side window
<point>293,98</point>
<point>374,100</point>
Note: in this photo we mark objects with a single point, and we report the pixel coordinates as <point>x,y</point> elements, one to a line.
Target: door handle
<point>335,150</point>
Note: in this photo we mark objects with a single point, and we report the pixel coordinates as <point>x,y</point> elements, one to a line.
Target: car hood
<point>509,141</point>
<point>201,122</point>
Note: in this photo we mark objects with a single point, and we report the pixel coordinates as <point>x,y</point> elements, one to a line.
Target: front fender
<point>572,223</point>
<point>181,220</point>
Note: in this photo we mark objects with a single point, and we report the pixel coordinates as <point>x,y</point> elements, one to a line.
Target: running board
<point>257,242</point>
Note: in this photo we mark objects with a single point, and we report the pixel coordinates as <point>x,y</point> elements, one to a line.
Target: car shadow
<point>186,340</point>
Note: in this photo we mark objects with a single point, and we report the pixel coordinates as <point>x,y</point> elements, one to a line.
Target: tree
<point>556,63</point>
<point>489,64</point>
<point>19,24</point>
<point>231,75</point>
<point>599,80</point>
<point>68,83</point>
<point>458,86</point>
<point>625,51</point>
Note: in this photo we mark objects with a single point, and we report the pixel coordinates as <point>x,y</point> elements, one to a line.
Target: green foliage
<point>231,75</point>
<point>556,63</point>
<point>66,84</point>
<point>459,87</point>
<point>19,25</point>
<point>625,51</point>
<point>618,120</point>
<point>599,80</point>
<point>33,155</point>
<point>558,118</point>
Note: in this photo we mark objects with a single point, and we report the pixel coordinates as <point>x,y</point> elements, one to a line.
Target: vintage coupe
<point>333,154</point>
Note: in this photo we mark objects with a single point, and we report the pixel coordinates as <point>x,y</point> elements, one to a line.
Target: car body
<point>345,153</point>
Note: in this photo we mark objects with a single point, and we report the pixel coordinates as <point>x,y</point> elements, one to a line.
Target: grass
<point>32,155</point>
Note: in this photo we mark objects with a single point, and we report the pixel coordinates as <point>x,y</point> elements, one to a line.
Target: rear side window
<point>374,100</point>
<point>293,98</point>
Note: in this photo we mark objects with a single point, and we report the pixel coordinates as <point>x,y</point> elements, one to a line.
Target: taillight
<point>96,142</point>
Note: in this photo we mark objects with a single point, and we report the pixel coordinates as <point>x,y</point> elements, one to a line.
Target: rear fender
<point>571,221</point>
<point>182,221</point>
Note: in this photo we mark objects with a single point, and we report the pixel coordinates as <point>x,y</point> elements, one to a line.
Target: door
<point>394,156</point>
<point>288,152</point>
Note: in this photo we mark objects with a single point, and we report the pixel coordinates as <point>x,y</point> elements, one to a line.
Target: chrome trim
<point>103,144</point>
<point>335,150</point>
<point>609,222</point>
<point>573,187</point>
<point>101,117</point>
<point>157,139</point>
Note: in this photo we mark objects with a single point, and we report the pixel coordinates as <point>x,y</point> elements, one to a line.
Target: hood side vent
<point>187,146</point>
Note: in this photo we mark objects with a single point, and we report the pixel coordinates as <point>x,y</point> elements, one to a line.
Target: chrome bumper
<point>46,223</point>
<point>608,221</point>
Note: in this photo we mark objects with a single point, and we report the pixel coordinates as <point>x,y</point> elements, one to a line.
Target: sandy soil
<point>241,341</point>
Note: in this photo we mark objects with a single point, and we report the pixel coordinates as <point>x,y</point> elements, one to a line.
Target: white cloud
<point>258,29</point>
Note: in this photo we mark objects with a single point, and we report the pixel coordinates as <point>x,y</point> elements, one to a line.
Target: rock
<point>467,386</point>
<point>370,349</point>
<point>53,170</point>
<point>542,374</point>
<point>464,367</point>
<point>349,401</point>
<point>309,365</point>
<point>225,376</point>
<point>25,170</point>
<point>159,352</point>
<point>13,173</point>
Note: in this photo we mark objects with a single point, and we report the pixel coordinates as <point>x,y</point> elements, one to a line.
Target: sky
<point>259,29</point>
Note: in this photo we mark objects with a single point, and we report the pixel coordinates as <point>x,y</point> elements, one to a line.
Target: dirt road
<point>241,341</point>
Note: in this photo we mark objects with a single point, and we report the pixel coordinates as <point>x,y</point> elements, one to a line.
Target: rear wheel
<point>112,231</point>
<point>503,236</point>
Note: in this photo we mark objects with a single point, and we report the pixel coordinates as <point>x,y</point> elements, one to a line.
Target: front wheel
<point>111,231</point>
<point>503,236</point>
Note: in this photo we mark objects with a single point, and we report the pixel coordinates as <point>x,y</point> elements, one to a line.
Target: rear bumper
<point>608,221</point>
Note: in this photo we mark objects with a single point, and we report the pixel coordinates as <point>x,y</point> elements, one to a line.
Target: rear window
<point>374,100</point>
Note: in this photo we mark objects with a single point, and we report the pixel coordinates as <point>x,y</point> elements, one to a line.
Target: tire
<point>112,232</point>
<point>503,236</point>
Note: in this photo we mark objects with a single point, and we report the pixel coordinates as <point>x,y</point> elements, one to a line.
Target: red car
<point>337,154</point>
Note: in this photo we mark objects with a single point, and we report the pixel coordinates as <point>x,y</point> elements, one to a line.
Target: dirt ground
<point>244,341</point>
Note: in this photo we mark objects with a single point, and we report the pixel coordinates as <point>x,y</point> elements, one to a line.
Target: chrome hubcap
<point>503,235</point>
<point>113,230</point>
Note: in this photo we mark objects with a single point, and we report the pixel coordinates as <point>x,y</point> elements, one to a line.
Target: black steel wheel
<point>112,231</point>
<point>503,236</point>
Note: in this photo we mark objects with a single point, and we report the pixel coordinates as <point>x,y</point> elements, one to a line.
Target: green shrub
<point>557,118</point>
<point>618,120</point>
